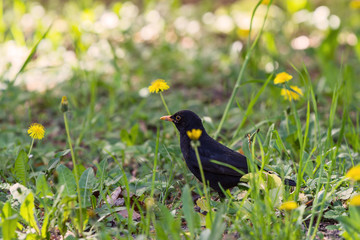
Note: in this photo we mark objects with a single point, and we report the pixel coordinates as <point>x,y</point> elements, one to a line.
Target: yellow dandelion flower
<point>288,206</point>
<point>355,4</point>
<point>354,173</point>
<point>355,201</point>
<point>289,95</point>
<point>265,2</point>
<point>243,33</point>
<point>194,134</point>
<point>282,77</point>
<point>158,85</point>
<point>36,131</point>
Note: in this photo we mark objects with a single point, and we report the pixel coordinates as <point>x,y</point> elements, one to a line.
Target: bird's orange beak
<point>167,118</point>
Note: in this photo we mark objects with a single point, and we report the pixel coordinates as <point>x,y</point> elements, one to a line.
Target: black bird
<point>209,149</point>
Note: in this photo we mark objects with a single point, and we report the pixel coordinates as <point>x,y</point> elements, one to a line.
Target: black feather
<point>209,150</point>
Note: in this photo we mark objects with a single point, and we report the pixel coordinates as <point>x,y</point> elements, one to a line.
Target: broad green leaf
<point>87,182</point>
<point>101,169</point>
<point>45,226</point>
<point>8,228</point>
<point>134,133</point>
<point>80,168</point>
<point>203,204</point>
<point>273,181</point>
<point>32,236</point>
<point>125,137</point>
<point>87,179</point>
<point>67,179</point>
<point>21,167</point>
<point>42,187</point>
<point>251,177</point>
<point>268,180</point>
<point>27,211</point>
<point>71,237</point>
<point>85,219</point>
<point>8,222</point>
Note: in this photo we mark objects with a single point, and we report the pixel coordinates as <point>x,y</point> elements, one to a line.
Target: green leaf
<point>27,211</point>
<point>31,54</point>
<point>101,172</point>
<point>218,226</point>
<point>309,166</point>
<point>355,215</point>
<point>273,181</point>
<point>264,179</point>
<point>8,222</point>
<point>87,179</point>
<point>80,169</point>
<point>45,226</point>
<point>87,182</point>
<point>332,214</point>
<point>85,219</point>
<point>32,236</point>
<point>21,167</point>
<point>71,237</point>
<point>349,226</point>
<point>67,179</point>
<point>134,132</point>
<point>168,226</point>
<point>125,137</point>
<point>191,218</point>
<point>42,187</point>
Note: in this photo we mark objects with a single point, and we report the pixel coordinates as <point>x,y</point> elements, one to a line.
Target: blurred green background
<point>104,54</point>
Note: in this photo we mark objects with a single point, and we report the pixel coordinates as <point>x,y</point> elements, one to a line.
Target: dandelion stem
<point>168,112</point>
<point>76,171</point>
<point>163,100</point>
<point>202,177</point>
<point>31,146</point>
<point>155,162</point>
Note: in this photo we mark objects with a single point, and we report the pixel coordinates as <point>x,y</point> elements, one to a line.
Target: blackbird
<point>209,149</point>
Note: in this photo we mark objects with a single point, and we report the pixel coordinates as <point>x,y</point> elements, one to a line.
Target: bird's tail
<point>289,182</point>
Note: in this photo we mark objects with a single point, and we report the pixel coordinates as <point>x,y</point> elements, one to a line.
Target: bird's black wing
<point>218,152</point>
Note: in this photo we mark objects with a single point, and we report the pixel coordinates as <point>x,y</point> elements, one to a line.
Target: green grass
<point>118,144</point>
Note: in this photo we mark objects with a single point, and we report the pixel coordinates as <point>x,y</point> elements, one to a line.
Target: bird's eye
<point>177,118</point>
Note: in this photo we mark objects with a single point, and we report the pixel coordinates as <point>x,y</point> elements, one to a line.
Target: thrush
<point>215,174</point>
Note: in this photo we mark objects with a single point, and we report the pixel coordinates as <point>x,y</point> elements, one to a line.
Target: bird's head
<point>185,120</point>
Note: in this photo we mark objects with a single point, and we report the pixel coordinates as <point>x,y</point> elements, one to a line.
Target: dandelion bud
<point>149,202</point>
<point>64,106</point>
